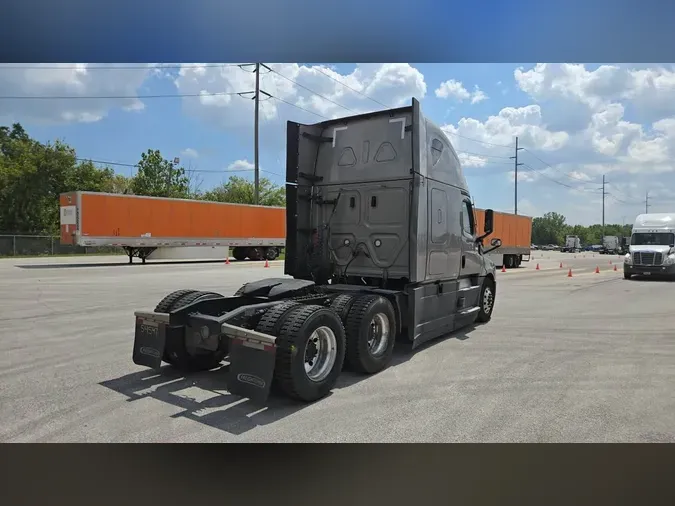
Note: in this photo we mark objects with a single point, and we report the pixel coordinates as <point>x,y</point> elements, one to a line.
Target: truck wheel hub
<point>378,335</point>
<point>320,354</point>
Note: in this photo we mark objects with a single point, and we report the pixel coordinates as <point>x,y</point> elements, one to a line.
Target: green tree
<point>32,175</point>
<point>548,229</point>
<point>158,177</point>
<point>239,190</point>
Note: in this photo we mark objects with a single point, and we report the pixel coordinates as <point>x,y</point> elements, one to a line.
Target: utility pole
<point>604,182</point>
<point>515,174</point>
<point>647,202</point>
<point>255,155</point>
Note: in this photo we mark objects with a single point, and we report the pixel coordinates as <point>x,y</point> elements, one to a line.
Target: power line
<point>309,90</point>
<point>135,165</point>
<point>123,67</point>
<point>476,140</point>
<point>483,155</point>
<point>555,168</point>
<point>125,97</point>
<point>350,88</point>
<point>298,107</point>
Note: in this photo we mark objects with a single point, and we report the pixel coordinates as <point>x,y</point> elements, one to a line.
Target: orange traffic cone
<point>615,269</point>
<point>597,270</point>
<point>610,262</point>
<point>569,273</point>
<point>537,267</point>
<point>227,261</point>
<point>503,268</point>
<point>561,265</point>
<point>267,264</point>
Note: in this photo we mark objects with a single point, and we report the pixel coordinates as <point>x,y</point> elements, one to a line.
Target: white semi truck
<point>572,244</point>
<point>652,246</point>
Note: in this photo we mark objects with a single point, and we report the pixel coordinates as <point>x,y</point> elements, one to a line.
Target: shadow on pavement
<point>127,264</point>
<point>203,397</point>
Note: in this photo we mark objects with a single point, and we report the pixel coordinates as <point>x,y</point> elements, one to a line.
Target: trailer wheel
<point>186,360</point>
<point>271,253</point>
<point>310,352</point>
<point>341,305</point>
<point>486,301</point>
<point>239,254</point>
<point>255,254</point>
<point>371,334</point>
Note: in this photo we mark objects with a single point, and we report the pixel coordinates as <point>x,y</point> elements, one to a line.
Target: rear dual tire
<point>310,351</point>
<point>177,354</point>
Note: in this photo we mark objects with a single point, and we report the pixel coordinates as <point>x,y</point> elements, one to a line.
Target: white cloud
<point>392,84</point>
<point>69,80</point>
<point>240,166</point>
<point>456,90</point>
<point>189,153</point>
<point>498,132</point>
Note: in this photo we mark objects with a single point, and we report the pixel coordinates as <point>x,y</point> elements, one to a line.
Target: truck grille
<point>647,258</point>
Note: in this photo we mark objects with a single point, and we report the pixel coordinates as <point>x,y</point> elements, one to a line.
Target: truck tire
<point>179,356</point>
<point>271,253</point>
<point>310,352</point>
<point>626,275</point>
<point>240,254</point>
<point>255,254</point>
<point>274,318</point>
<point>167,303</point>
<point>371,334</point>
<point>486,301</point>
<point>341,305</point>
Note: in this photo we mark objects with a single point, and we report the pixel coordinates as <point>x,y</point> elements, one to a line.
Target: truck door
<point>470,261</point>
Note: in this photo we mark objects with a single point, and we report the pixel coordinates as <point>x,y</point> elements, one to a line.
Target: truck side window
<point>467,218</point>
<point>436,150</point>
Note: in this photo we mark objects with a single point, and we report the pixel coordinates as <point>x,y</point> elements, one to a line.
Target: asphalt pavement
<point>586,358</point>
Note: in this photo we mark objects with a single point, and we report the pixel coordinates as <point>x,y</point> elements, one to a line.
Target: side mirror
<point>496,243</point>
<point>489,222</point>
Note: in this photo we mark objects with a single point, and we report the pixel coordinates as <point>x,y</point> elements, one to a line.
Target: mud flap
<point>149,342</point>
<point>251,369</point>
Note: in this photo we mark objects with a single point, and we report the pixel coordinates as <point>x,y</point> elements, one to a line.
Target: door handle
<point>463,261</point>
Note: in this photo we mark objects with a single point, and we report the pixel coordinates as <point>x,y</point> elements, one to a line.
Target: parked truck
<point>141,225</point>
<point>515,233</point>
<point>572,244</point>
<point>381,243</point>
<point>624,245</point>
<point>652,246</point>
<point>610,245</point>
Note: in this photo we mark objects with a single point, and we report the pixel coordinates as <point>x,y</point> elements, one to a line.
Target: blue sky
<point>577,122</point>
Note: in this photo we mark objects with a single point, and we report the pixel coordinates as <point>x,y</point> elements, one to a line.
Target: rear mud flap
<point>149,342</point>
<point>251,369</point>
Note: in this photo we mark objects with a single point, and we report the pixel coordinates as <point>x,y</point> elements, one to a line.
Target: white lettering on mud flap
<point>251,379</point>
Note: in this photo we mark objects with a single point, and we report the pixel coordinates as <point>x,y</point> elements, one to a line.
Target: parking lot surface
<point>588,358</point>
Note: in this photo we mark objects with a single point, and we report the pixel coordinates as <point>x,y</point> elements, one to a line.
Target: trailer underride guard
<point>381,245</point>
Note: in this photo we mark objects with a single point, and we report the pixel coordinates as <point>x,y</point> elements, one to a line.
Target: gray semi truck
<point>381,246</point>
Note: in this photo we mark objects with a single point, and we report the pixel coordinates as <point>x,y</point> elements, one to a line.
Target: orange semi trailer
<point>515,231</point>
<point>142,225</point>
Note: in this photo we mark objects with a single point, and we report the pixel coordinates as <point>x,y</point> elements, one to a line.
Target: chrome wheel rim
<point>378,334</point>
<point>320,354</point>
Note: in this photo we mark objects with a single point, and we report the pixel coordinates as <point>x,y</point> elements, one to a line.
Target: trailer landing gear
<point>141,253</point>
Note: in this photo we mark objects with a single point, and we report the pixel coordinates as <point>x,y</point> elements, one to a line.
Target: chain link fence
<point>45,245</point>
